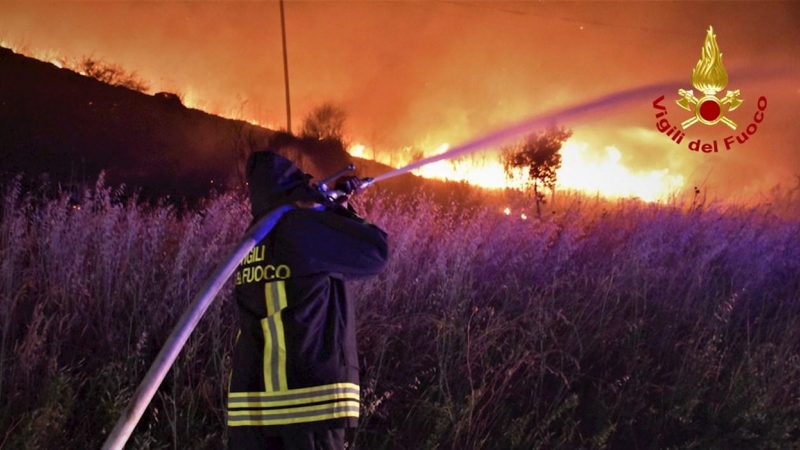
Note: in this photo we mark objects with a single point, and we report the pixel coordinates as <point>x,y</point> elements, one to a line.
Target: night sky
<point>426,72</point>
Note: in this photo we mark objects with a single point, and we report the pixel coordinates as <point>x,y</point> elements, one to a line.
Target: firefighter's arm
<point>336,241</point>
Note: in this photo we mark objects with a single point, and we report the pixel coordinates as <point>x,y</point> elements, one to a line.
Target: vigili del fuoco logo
<point>709,77</point>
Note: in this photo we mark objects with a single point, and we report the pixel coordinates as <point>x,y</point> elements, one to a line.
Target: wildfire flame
<point>607,176</point>
<point>604,175</point>
<point>709,75</point>
<point>190,99</point>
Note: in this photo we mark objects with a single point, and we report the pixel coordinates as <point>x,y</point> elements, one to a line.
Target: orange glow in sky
<point>421,74</point>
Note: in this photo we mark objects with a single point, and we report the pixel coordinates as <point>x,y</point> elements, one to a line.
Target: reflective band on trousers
<point>311,404</point>
<point>304,396</point>
<point>286,416</point>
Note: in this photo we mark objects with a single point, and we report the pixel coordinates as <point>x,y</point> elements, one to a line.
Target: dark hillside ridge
<point>58,125</point>
<point>57,122</point>
<point>70,127</point>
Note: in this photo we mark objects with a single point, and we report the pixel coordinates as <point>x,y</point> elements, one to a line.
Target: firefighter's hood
<point>274,181</point>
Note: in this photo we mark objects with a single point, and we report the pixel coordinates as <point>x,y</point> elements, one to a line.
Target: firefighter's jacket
<point>295,364</point>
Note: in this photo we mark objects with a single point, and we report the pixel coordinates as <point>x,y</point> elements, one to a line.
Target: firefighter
<point>295,381</point>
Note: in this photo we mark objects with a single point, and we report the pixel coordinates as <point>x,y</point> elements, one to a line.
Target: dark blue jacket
<point>295,364</point>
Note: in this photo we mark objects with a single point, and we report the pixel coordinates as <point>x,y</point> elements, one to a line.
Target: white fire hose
<point>187,323</point>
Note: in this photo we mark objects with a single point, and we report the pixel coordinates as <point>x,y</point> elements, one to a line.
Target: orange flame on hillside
<point>188,95</point>
<point>580,171</point>
<point>606,175</point>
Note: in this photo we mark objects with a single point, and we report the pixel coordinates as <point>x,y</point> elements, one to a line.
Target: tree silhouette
<point>536,159</point>
<point>324,122</point>
<point>112,74</point>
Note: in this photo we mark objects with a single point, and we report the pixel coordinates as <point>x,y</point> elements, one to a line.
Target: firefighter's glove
<point>306,194</point>
<point>348,184</point>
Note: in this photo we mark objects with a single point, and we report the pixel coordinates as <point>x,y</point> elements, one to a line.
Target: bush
<point>112,74</point>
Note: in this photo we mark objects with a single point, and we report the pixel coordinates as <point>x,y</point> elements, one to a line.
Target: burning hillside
<point>408,75</point>
<point>102,128</point>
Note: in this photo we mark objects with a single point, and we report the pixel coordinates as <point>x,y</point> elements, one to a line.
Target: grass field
<point>633,326</point>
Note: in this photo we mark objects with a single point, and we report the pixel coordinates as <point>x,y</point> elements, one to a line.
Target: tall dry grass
<point>628,327</point>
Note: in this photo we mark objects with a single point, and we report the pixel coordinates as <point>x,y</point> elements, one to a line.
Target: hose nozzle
<point>365,183</point>
<point>335,194</point>
<point>323,185</point>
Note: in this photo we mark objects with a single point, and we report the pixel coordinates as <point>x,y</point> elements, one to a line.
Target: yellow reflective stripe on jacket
<point>303,396</point>
<point>286,416</point>
<point>275,295</point>
<point>274,340</point>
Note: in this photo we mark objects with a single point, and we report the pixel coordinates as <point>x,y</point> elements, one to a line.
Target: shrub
<point>112,74</point>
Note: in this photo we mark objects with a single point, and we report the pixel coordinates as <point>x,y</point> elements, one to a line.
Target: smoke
<point>424,73</point>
